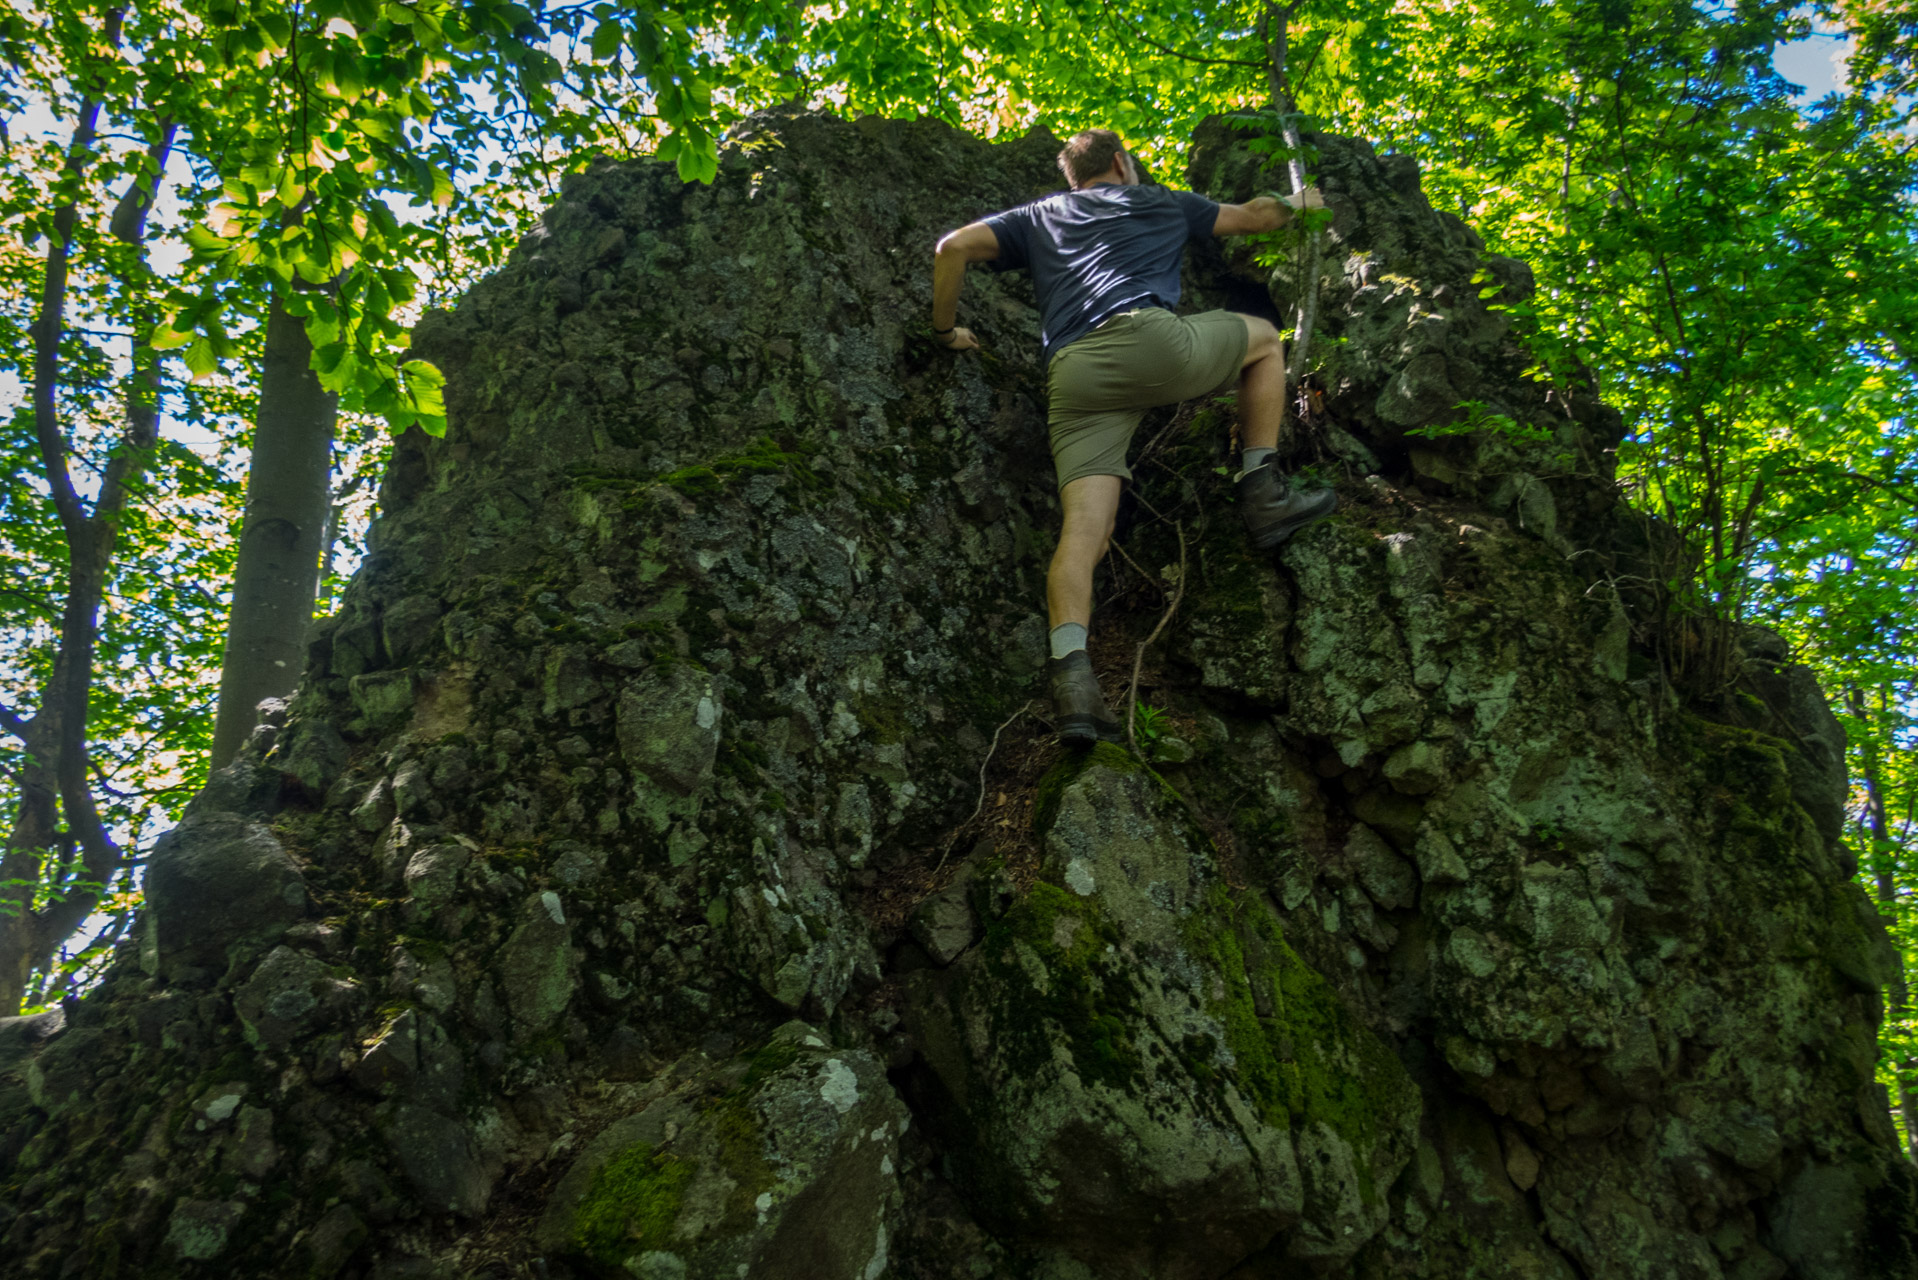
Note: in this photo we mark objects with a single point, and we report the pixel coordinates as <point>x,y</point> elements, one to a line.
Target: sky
<point>1816,64</point>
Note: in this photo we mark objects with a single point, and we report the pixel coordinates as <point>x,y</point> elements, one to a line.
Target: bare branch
<point>974,815</point>
<point>1138,655</point>
<point>43,603</point>
<point>47,327</point>
<point>1133,32</point>
<point>1870,482</point>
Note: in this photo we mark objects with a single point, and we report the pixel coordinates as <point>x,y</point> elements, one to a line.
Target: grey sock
<point>1253,459</point>
<point>1066,637</point>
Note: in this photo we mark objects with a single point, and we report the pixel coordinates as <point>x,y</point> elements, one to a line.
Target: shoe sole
<point>1087,730</point>
<point>1267,539</point>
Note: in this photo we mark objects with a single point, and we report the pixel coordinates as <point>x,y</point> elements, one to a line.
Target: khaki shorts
<point>1099,386</point>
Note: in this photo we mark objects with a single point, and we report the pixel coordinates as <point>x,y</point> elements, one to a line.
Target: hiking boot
<point>1274,511</point>
<point>1078,707</point>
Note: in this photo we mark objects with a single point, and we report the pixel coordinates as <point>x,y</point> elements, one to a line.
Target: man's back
<point>1104,258</point>
<point>1094,250</point>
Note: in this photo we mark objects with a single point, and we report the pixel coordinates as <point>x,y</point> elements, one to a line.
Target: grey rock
<point>384,698</point>
<point>1438,859</point>
<point>536,969</point>
<point>392,1061</point>
<point>1171,751</point>
<point>669,725</point>
<point>199,1230</point>
<point>790,932</point>
<point>1418,393</point>
<point>59,1077</point>
<point>217,1105</point>
<point>20,1037</point>
<point>1107,1024</point>
<point>440,1159</point>
<point>217,879</point>
<point>1827,1211</point>
<point>253,1152</point>
<point>377,808</point>
<point>331,1242</point>
<point>944,924</point>
<point>569,680</point>
<point>1387,877</point>
<point>312,753</point>
<point>289,996</point>
<point>356,641</point>
<point>412,1057</point>
<point>247,786</point>
<point>409,626</point>
<point>1417,768</point>
<point>432,873</point>
<point>1636,996</point>
<point>788,1168</point>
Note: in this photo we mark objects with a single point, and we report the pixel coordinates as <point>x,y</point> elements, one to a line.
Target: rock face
<point>1138,1075</point>
<point>607,903</point>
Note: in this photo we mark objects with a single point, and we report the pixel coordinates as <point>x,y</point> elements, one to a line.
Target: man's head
<point>1096,154</point>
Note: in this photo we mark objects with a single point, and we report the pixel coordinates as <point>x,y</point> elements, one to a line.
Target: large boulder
<point>782,1164</point>
<point>687,689</point>
<point>217,879</point>
<point>1138,1075</point>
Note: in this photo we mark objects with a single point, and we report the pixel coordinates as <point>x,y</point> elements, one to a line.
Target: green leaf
<point>277,28</point>
<point>200,360</point>
<point>205,242</point>
<point>607,38</point>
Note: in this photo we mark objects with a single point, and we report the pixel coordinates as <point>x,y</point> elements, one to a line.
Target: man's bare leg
<point>1091,503</point>
<point>1261,385</point>
<point>1273,510</point>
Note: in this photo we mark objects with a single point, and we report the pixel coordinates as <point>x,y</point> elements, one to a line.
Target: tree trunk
<point>1277,22</point>
<point>288,505</point>
<point>56,809</point>
<point>1878,828</point>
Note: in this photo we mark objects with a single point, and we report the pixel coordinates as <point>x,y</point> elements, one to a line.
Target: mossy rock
<point>1137,1071</point>
<point>779,1163</point>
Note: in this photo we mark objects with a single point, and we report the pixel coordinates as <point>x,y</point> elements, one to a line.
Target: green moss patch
<point>1086,996</point>
<point>763,456</point>
<point>1052,787</point>
<point>632,1204</point>
<point>1298,1053</point>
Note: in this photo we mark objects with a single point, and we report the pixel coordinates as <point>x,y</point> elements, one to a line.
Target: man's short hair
<point>1089,154</point>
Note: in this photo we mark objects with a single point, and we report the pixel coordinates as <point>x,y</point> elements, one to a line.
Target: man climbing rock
<point>1104,258</point>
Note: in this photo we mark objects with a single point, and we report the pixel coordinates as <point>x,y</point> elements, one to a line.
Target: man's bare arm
<point>1264,213</point>
<point>971,243</point>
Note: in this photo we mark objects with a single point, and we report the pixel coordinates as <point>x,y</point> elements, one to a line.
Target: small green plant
<point>1150,723</point>
<point>1478,417</point>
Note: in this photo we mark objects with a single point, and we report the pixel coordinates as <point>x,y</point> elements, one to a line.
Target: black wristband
<point>947,329</point>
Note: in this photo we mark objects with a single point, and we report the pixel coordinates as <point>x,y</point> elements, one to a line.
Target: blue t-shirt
<point>1099,251</point>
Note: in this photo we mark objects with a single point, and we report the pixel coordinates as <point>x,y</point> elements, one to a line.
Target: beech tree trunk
<point>59,853</point>
<point>288,506</point>
<point>1878,827</point>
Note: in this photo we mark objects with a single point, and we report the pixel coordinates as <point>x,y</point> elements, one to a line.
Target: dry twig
<point>977,809</point>
<point>1138,655</point>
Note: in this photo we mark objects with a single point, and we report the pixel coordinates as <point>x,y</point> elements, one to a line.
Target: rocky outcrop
<point>606,901</point>
<point>1134,1072</point>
